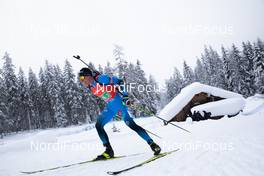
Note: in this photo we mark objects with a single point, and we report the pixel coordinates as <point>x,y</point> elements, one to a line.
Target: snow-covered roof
<point>186,95</point>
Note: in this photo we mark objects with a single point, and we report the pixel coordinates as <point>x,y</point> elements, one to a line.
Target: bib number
<point>105,96</point>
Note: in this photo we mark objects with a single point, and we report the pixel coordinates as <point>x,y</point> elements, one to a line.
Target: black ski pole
<point>167,122</point>
<point>79,58</point>
<point>171,123</point>
<point>153,134</point>
<point>119,118</point>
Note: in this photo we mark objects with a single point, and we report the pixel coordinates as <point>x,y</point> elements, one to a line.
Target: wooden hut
<point>193,95</point>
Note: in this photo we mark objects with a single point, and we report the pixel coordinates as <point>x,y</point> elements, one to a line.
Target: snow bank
<point>254,104</point>
<point>186,94</point>
<point>230,106</point>
<point>229,146</point>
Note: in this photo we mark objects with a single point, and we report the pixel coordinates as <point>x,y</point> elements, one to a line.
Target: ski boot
<point>108,153</point>
<point>154,147</point>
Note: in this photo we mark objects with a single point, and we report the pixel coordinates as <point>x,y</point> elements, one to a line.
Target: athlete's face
<point>86,80</point>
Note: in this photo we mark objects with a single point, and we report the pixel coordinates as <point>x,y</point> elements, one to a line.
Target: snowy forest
<point>234,69</point>
<point>54,97</point>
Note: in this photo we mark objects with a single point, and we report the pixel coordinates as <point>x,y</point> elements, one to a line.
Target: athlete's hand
<point>126,101</point>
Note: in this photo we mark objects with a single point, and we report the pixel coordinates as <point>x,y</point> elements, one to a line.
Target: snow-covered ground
<point>229,146</point>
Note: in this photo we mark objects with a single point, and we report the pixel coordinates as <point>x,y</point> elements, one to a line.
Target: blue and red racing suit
<point>105,87</point>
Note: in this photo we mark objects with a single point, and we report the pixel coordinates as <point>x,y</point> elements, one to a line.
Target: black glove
<point>126,101</point>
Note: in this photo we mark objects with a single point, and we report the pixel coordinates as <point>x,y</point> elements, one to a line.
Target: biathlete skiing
<point>117,102</point>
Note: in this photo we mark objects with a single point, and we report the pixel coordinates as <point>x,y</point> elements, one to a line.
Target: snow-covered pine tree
<point>50,82</point>
<point>242,74</point>
<point>11,89</point>
<point>44,106</point>
<point>108,69</point>
<point>72,96</point>
<point>131,77</point>
<point>140,91</point>
<point>188,75</point>
<point>227,74</point>
<point>59,109</point>
<point>235,60</point>
<point>3,107</point>
<point>100,69</point>
<point>217,69</point>
<point>85,108</point>
<point>23,98</point>
<point>259,65</point>
<point>213,67</point>
<point>60,115</point>
<point>199,72</point>
<point>174,85</point>
<point>208,64</point>
<point>59,112</point>
<point>137,85</point>
<point>153,94</point>
<point>121,63</point>
<point>34,99</point>
<point>247,84</point>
